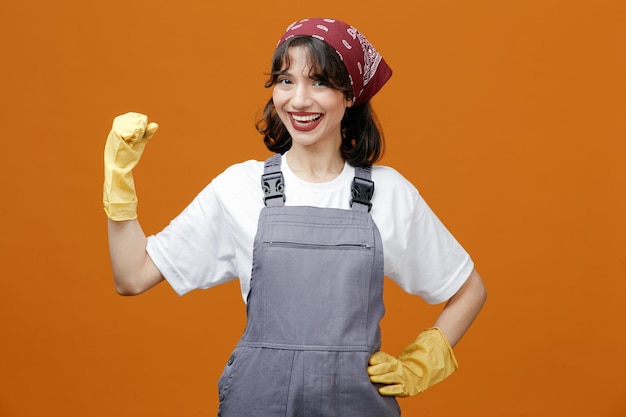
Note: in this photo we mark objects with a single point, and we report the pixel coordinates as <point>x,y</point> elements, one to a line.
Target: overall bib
<point>314,309</point>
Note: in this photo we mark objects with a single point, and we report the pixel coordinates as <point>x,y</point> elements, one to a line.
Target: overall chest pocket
<point>317,282</point>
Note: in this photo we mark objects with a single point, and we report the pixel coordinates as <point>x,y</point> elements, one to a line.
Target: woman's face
<point>310,110</point>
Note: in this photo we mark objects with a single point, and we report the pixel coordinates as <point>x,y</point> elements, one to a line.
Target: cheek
<point>278,98</point>
<point>279,101</point>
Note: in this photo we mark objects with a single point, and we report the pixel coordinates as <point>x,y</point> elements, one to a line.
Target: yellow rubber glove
<point>122,151</point>
<point>421,364</point>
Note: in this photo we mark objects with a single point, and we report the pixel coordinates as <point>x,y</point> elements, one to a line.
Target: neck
<point>314,166</point>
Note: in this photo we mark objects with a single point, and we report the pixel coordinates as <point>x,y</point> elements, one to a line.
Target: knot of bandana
<point>367,69</point>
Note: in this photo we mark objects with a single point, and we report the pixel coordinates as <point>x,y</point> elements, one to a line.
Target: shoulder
<point>242,170</point>
<point>390,176</point>
<point>392,187</point>
<point>238,187</point>
<point>241,175</point>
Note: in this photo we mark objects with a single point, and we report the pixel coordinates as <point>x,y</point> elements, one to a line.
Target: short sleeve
<point>421,255</point>
<point>196,250</point>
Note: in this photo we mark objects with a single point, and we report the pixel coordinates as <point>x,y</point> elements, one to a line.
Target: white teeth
<point>306,119</point>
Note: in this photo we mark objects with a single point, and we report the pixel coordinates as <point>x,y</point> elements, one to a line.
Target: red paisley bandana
<point>367,69</point>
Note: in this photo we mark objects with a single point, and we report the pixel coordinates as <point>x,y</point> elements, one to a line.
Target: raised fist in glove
<point>420,365</point>
<point>122,151</point>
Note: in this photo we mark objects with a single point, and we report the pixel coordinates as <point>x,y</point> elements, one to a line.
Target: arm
<point>133,270</point>
<point>429,359</point>
<point>461,310</point>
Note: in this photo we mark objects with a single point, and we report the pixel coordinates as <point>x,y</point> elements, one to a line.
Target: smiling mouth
<point>305,121</point>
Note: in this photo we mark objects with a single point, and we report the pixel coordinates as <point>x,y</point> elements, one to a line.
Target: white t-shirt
<point>211,241</point>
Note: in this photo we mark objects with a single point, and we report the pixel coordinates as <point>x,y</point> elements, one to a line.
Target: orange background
<point>509,116</point>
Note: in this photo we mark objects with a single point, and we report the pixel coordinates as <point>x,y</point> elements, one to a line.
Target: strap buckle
<point>362,192</point>
<point>273,186</point>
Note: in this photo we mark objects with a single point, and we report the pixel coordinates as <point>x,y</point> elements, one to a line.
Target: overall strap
<point>272,182</point>
<point>362,189</point>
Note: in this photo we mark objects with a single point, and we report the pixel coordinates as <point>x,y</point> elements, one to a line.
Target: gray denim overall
<point>314,309</point>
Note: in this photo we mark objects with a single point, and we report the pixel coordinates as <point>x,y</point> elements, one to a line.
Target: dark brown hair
<point>362,139</point>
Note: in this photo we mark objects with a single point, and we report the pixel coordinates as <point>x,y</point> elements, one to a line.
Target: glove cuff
<point>429,358</point>
<point>445,345</point>
<point>118,195</point>
<point>121,211</point>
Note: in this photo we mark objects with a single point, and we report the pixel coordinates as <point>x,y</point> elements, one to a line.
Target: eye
<point>320,83</point>
<point>283,80</point>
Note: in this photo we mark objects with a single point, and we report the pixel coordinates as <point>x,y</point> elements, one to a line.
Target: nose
<point>301,96</point>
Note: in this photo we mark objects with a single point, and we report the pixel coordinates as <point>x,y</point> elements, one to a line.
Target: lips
<point>305,121</point>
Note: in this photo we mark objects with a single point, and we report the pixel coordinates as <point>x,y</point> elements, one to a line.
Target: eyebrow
<point>312,75</point>
<point>283,72</point>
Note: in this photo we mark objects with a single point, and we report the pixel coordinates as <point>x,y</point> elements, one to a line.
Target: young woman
<point>310,233</point>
